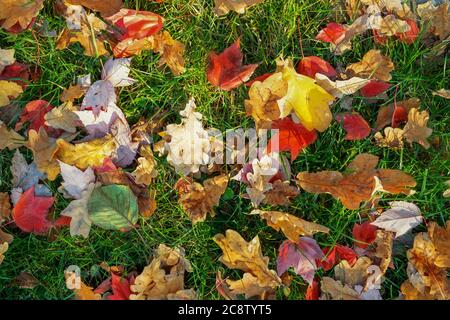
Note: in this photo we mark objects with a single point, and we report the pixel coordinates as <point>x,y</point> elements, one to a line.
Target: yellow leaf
<point>309,101</point>
<point>8,90</point>
<point>86,154</point>
<point>3,249</point>
<point>44,149</point>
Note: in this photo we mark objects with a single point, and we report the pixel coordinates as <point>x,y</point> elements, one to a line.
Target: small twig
<point>38,58</point>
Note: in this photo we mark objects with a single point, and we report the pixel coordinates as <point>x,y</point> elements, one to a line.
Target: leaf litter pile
<point>106,167</point>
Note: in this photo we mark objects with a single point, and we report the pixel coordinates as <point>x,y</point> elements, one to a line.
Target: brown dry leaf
<point>8,90</point>
<point>224,6</point>
<point>145,198</point>
<point>72,93</point>
<point>334,290</point>
<point>372,66</point>
<point>163,278</point>
<point>106,8</point>
<point>63,117</point>
<point>393,138</point>
<point>383,249</point>
<point>21,12</point>
<point>247,256</point>
<point>86,154</point>
<point>3,248</point>
<point>444,93</point>
<point>416,129</point>
<point>440,21</point>
<point>200,200</point>
<point>353,275</point>
<point>385,113</point>
<point>291,226</point>
<point>25,280</point>
<point>441,241</point>
<point>5,206</point>
<point>171,51</point>
<point>280,194</point>
<point>9,138</point>
<point>359,184</point>
<point>263,103</point>
<point>89,36</point>
<point>86,293</point>
<point>44,149</point>
<point>146,170</point>
<point>390,25</point>
<point>423,257</point>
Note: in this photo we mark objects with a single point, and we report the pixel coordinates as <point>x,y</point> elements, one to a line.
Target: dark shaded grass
<point>267,31</point>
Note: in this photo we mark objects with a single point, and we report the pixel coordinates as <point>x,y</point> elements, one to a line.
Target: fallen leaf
<point>280,194</point>
<point>334,290</point>
<point>311,65</point>
<point>6,58</point>
<point>291,226</point>
<point>440,21</point>
<point>146,170</point>
<point>353,275</point>
<point>3,248</point>
<point>117,72</point>
<point>372,66</point>
<point>395,113</point>
<point>75,181</point>
<point>364,234</point>
<point>200,200</point>
<point>170,50</point>
<point>358,185</point>
<point>99,97</point>
<point>106,9</point>
<point>44,149</point>
<point>224,6</point>
<point>8,90</point>
<point>5,206</point>
<point>416,129</point>
<point>382,257</point>
<point>25,280</point>
<point>120,287</point>
<point>113,207</point>
<point>9,138</point>
<point>340,88</point>
<point>34,114</point>
<point>393,138</point>
<point>400,218</point>
<point>62,117</point>
<point>18,15</point>
<point>374,88</point>
<point>444,93</point>
<point>225,70</point>
<point>357,128</point>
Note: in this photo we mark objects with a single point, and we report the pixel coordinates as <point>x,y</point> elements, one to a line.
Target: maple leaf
<point>44,150</point>
<point>34,113</point>
<point>364,234</point>
<point>359,185</point>
<point>199,200</point>
<point>224,6</point>
<point>332,33</point>
<point>99,97</point>
<point>335,255</point>
<point>258,279</point>
<point>357,128</point>
<point>163,278</point>
<point>18,15</point>
<point>300,255</point>
<point>291,226</point>
<point>106,9</point>
<point>416,129</point>
<point>75,181</point>
<point>86,154</point>
<point>9,138</point>
<point>264,96</point>
<point>120,287</point>
<point>30,212</point>
<point>291,137</point>
<point>400,218</point>
<point>374,88</point>
<point>225,70</point>
<point>116,71</point>
<point>373,65</point>
<point>309,101</point>
<point>62,117</point>
<point>8,90</point>
<point>311,65</point>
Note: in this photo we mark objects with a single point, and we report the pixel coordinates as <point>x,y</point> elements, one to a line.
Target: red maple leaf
<point>309,66</point>
<point>332,33</point>
<point>30,212</point>
<point>335,255</point>
<point>225,70</point>
<point>291,137</point>
<point>120,287</point>
<point>364,234</point>
<point>34,113</point>
<point>374,88</point>
<point>356,127</point>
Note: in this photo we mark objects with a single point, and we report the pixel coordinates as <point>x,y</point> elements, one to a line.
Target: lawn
<point>267,31</point>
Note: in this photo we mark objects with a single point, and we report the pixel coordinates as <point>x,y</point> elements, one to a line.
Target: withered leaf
<point>353,275</point>
<point>9,138</point>
<point>280,194</point>
<point>44,149</point>
<point>373,65</point>
<point>416,129</point>
<point>225,6</point>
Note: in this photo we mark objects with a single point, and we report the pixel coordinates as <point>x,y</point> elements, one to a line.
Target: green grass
<point>267,31</point>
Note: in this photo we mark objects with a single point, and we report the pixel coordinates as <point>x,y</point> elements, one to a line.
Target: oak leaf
<point>358,185</point>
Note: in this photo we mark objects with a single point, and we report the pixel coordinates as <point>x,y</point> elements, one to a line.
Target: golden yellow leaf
<point>9,138</point>
<point>359,184</point>
<point>383,249</point>
<point>44,149</point>
<point>441,241</point>
<point>309,101</point>
<point>416,129</point>
<point>8,89</point>
<point>393,138</point>
<point>291,226</point>
<point>171,52</point>
<point>373,65</point>
<point>86,154</point>
<point>72,93</point>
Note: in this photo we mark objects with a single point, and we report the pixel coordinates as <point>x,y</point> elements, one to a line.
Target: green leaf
<point>113,207</point>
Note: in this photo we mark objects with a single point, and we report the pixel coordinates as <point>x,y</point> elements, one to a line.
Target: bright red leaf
<point>374,88</point>
<point>357,128</point>
<point>410,36</point>
<point>335,255</point>
<point>332,33</point>
<point>399,116</point>
<point>364,234</point>
<point>291,137</point>
<point>30,213</point>
<point>312,292</point>
<point>34,113</point>
<point>309,66</point>
<point>225,70</point>
<point>120,287</point>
